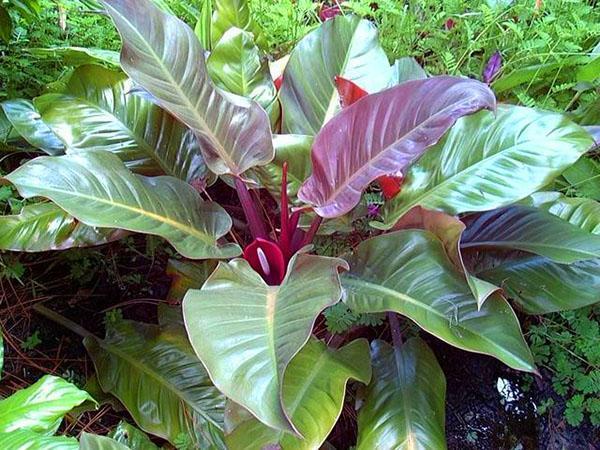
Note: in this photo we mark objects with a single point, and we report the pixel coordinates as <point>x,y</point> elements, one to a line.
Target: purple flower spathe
<point>492,67</point>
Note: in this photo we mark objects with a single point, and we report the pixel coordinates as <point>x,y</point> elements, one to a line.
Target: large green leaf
<point>344,46</point>
<point>406,400</point>
<point>97,189</point>
<point>246,332</point>
<point>295,150</point>
<point>475,167</point>
<point>227,14</point>
<point>406,69</point>
<point>539,285</point>
<point>28,123</point>
<point>45,226</point>
<point>581,212</point>
<point>98,111</point>
<point>40,407</point>
<point>90,441</point>
<point>449,230</point>
<point>30,440</point>
<point>163,55</point>
<point>314,387</point>
<point>532,230</point>
<point>235,64</point>
<point>132,437</point>
<point>157,377</point>
<point>408,272</point>
<point>77,56</point>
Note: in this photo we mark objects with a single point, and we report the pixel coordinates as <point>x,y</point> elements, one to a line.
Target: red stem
<point>284,235</point>
<point>255,222</point>
<point>312,231</point>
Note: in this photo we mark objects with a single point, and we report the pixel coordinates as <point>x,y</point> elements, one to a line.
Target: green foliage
<point>24,75</point>
<point>568,345</point>
<point>32,341</point>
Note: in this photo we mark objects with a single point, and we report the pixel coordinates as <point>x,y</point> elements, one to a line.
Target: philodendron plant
<point>469,222</point>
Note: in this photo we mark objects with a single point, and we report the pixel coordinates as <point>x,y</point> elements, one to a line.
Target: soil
<point>489,406</point>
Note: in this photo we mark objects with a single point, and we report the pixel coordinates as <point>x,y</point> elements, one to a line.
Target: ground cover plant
<point>244,166</point>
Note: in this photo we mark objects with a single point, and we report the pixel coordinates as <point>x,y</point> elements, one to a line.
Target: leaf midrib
<point>220,150</point>
<point>205,238</point>
<point>393,293</point>
<point>155,375</point>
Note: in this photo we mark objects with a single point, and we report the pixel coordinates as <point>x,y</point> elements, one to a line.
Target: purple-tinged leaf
<point>492,67</point>
<point>384,133</point>
<point>162,54</point>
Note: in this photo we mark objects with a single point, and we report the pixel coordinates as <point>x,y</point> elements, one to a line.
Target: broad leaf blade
<point>449,230</point>
<point>532,230</point>
<point>382,134</point>
<point>408,272</point>
<point>132,437</point>
<point>90,441</point>
<point>227,14</point>
<point>406,400</point>
<point>30,440</point>
<point>581,212</point>
<point>78,56</point>
<point>97,111</point>
<point>28,123</point>
<point>235,64</point>
<point>407,69</point>
<point>246,332</point>
<point>40,407</point>
<point>97,189</point>
<point>163,55</point>
<point>483,155</point>
<point>314,388</point>
<point>45,226</point>
<point>345,46</point>
<point>539,285</point>
<point>157,377</point>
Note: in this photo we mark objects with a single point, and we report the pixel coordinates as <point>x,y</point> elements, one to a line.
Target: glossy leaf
<point>30,440</point>
<point>314,387</point>
<point>157,377</point>
<point>28,123</point>
<point>295,150</point>
<point>77,56</point>
<point>538,285</point>
<point>90,441</point>
<point>235,64</point>
<point>483,155</point>
<point>44,226</point>
<point>204,23</point>
<point>132,437</point>
<point>449,230</point>
<point>96,188</point>
<point>408,272</point>
<point>581,212</point>
<point>246,332</point>
<point>382,134</point>
<point>344,46</point>
<point>407,69</point>
<point>163,55</point>
<point>406,400</point>
<point>532,230</point>
<point>40,407</point>
<point>227,14</point>
<point>99,112</point>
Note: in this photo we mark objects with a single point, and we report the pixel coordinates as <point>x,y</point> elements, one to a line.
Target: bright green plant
<point>240,366</point>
